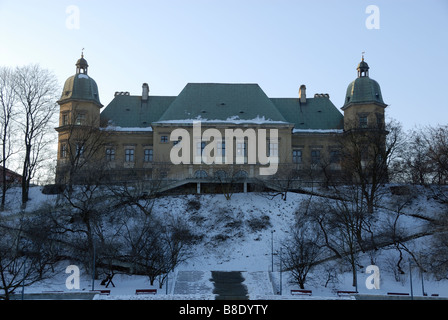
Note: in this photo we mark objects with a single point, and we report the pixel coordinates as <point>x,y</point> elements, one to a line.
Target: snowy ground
<point>234,242</point>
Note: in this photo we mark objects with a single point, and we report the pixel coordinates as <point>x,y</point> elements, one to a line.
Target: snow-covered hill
<point>246,234</point>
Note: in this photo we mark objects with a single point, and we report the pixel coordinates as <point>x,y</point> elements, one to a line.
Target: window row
<point>363,120</point>
<point>241,149</point>
<point>316,156</point>
<point>129,153</point>
<point>80,119</point>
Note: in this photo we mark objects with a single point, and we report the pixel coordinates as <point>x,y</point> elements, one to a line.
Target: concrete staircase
<point>223,285</point>
<point>193,283</point>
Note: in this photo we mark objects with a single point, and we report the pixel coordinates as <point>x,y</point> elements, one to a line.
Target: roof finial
<point>363,55</point>
<point>82,53</point>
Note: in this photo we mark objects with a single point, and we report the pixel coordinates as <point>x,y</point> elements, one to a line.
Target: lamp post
<point>423,285</point>
<point>272,250</point>
<point>23,282</point>
<point>410,279</point>
<point>93,265</point>
<point>281,270</point>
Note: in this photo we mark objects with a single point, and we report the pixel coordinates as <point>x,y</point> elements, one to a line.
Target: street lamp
<point>410,278</point>
<point>93,265</point>
<point>272,250</point>
<point>281,270</point>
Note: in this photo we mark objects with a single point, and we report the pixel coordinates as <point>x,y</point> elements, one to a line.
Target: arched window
<point>220,174</point>
<point>200,174</point>
<point>241,174</point>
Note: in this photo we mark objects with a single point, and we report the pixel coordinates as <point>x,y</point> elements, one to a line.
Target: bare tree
<point>36,91</point>
<point>139,192</point>
<point>284,180</point>
<point>339,223</point>
<point>438,256</point>
<point>417,166</point>
<point>24,259</point>
<point>156,247</point>
<point>7,112</point>
<point>300,253</point>
<point>437,140</point>
<point>230,180</point>
<point>83,149</point>
<point>366,157</point>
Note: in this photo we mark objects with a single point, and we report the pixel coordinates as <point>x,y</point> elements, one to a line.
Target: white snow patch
<point>231,244</point>
<point>232,119</point>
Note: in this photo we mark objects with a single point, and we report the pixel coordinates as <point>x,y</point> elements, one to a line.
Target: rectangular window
<point>364,153</point>
<point>148,156</point>
<point>379,120</point>
<point>241,149</point>
<point>65,119</point>
<point>221,151</point>
<point>297,156</point>
<point>335,156</point>
<point>315,156</point>
<point>273,149</point>
<point>363,121</point>
<point>241,152</point>
<point>80,150</point>
<point>80,119</point>
<point>64,151</point>
<point>164,139</point>
<point>129,155</point>
<point>200,148</point>
<point>110,154</point>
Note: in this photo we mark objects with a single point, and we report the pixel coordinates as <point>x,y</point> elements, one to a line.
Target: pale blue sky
<point>278,44</point>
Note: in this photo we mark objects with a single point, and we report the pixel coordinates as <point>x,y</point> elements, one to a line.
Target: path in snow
<point>193,282</point>
<point>223,284</point>
<point>258,283</point>
<point>229,285</point>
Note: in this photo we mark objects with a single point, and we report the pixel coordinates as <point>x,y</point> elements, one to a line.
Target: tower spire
<point>81,64</point>
<point>363,67</point>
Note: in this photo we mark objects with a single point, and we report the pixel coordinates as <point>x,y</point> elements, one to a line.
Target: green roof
<point>80,87</point>
<point>223,103</point>
<point>363,90</point>
<point>213,101</point>
<point>317,113</point>
<point>129,111</point>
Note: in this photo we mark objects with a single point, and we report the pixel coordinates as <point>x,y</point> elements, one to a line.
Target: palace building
<point>130,139</point>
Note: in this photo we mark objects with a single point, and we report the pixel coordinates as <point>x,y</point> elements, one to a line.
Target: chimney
<point>145,92</point>
<point>302,94</point>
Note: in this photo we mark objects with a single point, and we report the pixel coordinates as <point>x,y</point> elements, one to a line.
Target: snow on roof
<point>233,119</point>
<point>317,131</point>
<point>127,129</point>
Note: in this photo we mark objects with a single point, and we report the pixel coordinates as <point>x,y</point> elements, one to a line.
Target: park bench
<point>146,291</point>
<point>301,292</point>
<point>102,292</point>
<point>345,292</point>
<point>397,294</point>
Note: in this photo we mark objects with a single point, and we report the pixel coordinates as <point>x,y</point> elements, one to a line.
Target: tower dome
<point>80,86</point>
<point>363,89</point>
